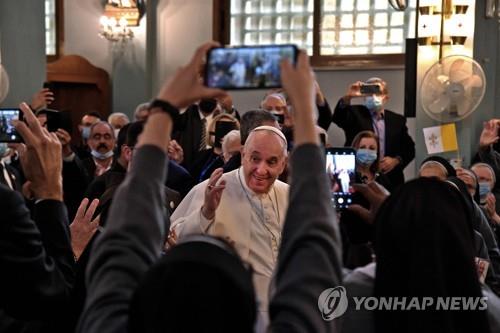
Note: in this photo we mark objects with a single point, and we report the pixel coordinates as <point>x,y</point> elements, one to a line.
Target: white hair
<point>116,115</point>
<point>274,95</point>
<point>140,107</point>
<point>230,137</point>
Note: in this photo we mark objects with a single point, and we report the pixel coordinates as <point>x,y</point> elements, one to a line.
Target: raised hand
<point>83,227</point>
<point>489,135</point>
<point>354,90</point>
<point>175,151</point>
<point>213,194</point>
<point>298,82</point>
<point>42,99</point>
<point>65,140</point>
<point>41,160</point>
<point>375,194</point>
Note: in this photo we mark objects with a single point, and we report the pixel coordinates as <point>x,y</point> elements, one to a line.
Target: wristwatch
<point>165,107</point>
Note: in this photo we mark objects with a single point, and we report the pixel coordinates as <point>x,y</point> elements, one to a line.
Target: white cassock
<point>253,222</point>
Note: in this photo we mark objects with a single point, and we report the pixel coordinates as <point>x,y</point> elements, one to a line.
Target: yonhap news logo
<point>333,303</point>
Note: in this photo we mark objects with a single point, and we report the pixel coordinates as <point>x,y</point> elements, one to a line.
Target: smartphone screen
<point>7,131</point>
<point>247,67</point>
<point>341,170</point>
<point>370,89</point>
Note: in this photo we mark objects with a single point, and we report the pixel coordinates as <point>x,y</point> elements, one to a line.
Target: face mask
<point>116,132</point>
<point>207,105</point>
<point>366,156</point>
<point>86,132</point>
<point>101,156</point>
<point>4,150</point>
<point>484,189</point>
<point>374,103</point>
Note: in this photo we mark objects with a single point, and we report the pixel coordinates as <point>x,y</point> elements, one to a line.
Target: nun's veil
<point>424,248</point>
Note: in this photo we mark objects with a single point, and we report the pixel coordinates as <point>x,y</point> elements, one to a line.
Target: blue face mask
<point>101,156</point>
<point>3,149</point>
<point>484,189</point>
<point>86,132</point>
<point>366,156</point>
<point>374,103</point>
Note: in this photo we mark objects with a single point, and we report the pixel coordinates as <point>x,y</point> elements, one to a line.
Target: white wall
<point>182,27</point>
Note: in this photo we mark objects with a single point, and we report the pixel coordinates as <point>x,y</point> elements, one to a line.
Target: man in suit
<point>397,148</point>
<point>79,173</point>
<point>192,129</point>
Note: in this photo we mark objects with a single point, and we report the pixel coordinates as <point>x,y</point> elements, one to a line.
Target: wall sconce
<point>438,19</point>
<point>119,16</point>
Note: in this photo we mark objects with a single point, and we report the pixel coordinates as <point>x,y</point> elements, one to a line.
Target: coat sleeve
<point>407,153</point>
<point>342,114</point>
<point>130,244</point>
<point>310,239</point>
<point>324,115</point>
<point>187,218</point>
<point>36,259</point>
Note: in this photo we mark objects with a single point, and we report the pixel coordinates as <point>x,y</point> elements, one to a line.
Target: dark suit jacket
<point>36,259</point>
<point>188,134</point>
<point>356,118</point>
<point>14,177</point>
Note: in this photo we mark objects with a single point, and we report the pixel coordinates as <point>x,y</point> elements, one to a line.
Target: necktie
<point>203,141</point>
<point>4,177</point>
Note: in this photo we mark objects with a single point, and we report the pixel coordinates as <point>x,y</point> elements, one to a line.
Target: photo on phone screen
<point>248,67</point>
<point>341,170</point>
<point>7,131</point>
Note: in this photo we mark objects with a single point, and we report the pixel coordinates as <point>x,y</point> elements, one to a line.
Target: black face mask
<point>207,106</point>
<point>221,129</point>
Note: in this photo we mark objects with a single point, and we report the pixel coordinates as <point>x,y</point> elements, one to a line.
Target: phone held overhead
<point>8,132</point>
<point>247,67</point>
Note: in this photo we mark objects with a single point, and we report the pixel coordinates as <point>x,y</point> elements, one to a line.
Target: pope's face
<point>263,160</point>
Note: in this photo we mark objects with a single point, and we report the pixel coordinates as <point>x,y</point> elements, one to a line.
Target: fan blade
<point>473,81</point>
<point>458,71</point>
<point>439,104</point>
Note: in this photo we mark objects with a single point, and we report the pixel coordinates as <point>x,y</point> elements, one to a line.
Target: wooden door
<point>78,87</point>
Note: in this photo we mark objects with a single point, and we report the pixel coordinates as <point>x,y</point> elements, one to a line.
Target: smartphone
<point>8,132</point>
<point>57,119</point>
<point>247,67</point>
<point>221,129</point>
<point>369,89</point>
<point>341,170</point>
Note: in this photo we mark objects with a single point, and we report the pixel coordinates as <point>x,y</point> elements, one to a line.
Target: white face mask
<point>374,103</point>
<point>101,156</point>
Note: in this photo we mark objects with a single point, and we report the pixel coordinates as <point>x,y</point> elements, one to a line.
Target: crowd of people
<point>194,217</point>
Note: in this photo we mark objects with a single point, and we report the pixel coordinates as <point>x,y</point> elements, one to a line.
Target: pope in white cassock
<point>246,206</point>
